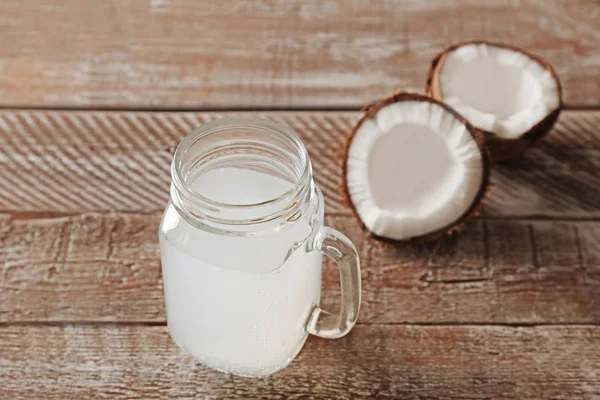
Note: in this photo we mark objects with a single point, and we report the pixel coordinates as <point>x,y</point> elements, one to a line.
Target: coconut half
<point>414,168</point>
<point>513,96</point>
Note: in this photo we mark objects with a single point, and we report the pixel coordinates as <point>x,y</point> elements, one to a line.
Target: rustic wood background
<point>95,96</point>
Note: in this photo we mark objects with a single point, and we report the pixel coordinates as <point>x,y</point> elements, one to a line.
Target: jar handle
<point>340,249</point>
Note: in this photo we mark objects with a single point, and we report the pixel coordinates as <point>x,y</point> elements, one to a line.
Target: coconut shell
<point>501,149</point>
<point>474,209</point>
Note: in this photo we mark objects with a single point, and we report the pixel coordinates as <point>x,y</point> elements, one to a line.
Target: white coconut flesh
<point>412,169</point>
<point>497,89</point>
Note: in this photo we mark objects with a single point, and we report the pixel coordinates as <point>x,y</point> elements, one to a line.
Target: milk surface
<point>239,304</point>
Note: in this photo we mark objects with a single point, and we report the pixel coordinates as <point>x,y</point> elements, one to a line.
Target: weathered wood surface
<point>80,201</point>
<point>70,162</point>
<point>403,362</point>
<point>185,53</point>
<point>106,267</point>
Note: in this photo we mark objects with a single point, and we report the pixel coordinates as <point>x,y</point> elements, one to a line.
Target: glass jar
<point>241,245</point>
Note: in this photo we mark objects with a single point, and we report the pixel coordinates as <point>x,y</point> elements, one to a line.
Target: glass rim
<point>290,200</point>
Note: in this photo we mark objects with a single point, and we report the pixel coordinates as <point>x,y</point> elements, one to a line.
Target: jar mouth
<point>244,143</point>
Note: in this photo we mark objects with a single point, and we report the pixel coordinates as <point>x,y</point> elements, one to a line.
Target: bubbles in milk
<point>230,302</point>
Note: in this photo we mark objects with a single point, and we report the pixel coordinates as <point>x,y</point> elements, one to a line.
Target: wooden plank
<point>69,162</point>
<point>408,362</point>
<point>184,53</point>
<point>106,267</point>
<point>51,268</point>
<point>494,272</point>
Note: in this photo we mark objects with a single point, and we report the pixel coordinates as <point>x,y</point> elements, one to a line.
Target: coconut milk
<point>239,304</point>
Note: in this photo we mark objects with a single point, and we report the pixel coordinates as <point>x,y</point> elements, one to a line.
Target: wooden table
<point>95,97</point>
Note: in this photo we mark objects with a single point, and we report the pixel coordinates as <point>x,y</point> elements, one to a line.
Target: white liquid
<point>229,302</point>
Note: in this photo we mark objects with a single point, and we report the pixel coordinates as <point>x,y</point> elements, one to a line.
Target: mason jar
<point>241,245</point>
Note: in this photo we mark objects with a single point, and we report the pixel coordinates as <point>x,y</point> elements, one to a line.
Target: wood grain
<point>71,162</point>
<point>184,53</point>
<point>406,362</point>
<point>106,267</point>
